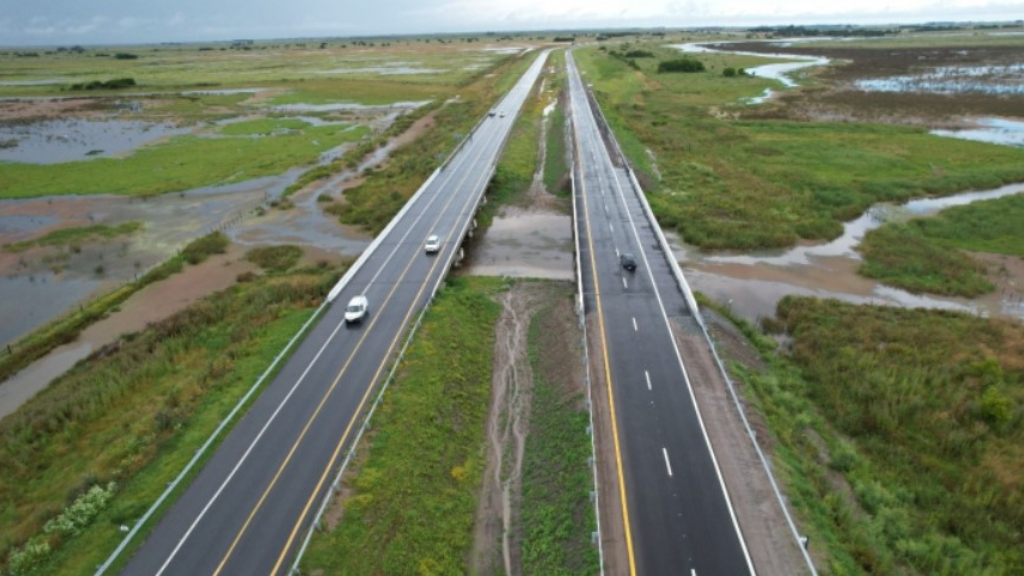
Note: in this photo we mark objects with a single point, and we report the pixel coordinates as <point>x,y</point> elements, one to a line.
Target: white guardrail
<point>691,302</point>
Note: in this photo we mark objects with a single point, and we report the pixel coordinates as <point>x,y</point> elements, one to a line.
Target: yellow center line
<point>323,401</point>
<point>607,369</point>
<point>348,428</point>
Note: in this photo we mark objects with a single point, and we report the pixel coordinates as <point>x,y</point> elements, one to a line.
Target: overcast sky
<point>67,22</point>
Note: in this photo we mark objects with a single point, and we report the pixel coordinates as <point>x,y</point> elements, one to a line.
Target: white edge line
<point>686,377</point>
<point>206,445</point>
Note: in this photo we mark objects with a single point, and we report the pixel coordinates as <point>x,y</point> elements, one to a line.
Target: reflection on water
<point>1003,80</point>
<point>991,130</point>
<point>69,139</point>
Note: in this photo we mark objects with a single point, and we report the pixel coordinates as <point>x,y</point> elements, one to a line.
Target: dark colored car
<point>628,261</point>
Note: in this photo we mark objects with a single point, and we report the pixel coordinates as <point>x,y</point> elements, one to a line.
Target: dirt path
<point>495,540</point>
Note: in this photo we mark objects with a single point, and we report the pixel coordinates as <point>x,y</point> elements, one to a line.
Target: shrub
<point>685,64</point>
<point>202,248</point>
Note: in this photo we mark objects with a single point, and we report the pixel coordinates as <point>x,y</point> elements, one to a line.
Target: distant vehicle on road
<point>357,309</point>
<point>628,261</point>
<point>501,114</point>
<point>492,113</point>
<point>433,244</point>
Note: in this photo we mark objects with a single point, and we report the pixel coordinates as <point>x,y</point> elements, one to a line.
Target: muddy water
<point>526,244</point>
<point>752,284</point>
<point>151,304</point>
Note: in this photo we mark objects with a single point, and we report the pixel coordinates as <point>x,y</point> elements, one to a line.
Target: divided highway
<point>676,511</point>
<point>249,508</point>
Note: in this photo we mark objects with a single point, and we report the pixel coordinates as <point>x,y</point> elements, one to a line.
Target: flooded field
<point>752,284</point>
<point>1004,80</point>
<point>69,139</point>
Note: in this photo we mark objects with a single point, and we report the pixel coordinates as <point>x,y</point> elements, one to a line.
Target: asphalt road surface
<point>677,516</point>
<point>249,508</point>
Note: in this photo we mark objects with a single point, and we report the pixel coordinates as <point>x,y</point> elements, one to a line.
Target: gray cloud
<point>62,22</point>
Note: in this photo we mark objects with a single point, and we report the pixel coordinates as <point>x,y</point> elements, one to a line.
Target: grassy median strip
<point>557,514</point>
<point>133,415</point>
<point>410,508</point>
<point>899,434</point>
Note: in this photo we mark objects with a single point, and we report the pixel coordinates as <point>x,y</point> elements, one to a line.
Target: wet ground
<point>49,282</point>
<point>526,243</point>
<point>69,139</point>
<point>752,284</point>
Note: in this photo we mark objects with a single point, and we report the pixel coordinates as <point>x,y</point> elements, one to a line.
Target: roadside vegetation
<point>373,203</point>
<point>898,434</point>
<point>93,450</point>
<point>727,182</point>
<point>556,512</point>
<point>411,504</point>
<point>275,258</point>
<point>66,329</point>
<point>928,254</point>
<point>75,236</point>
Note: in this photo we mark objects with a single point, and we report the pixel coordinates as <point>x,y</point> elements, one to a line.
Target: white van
<point>357,309</point>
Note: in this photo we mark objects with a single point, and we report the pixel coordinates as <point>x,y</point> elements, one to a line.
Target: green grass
<point>918,412</point>
<point>275,258</point>
<point>205,246</point>
<point>413,500</point>
<point>746,184</point>
<point>373,203</point>
<point>264,126</point>
<point>268,64</point>
<point>137,414</point>
<point>77,235</point>
<point>182,163</point>
<point>925,254</point>
<point>556,168</point>
<point>899,255</point>
<point>557,515</point>
<point>989,226</point>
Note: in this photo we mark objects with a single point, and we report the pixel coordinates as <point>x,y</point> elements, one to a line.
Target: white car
<point>433,244</point>
<point>357,309</point>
